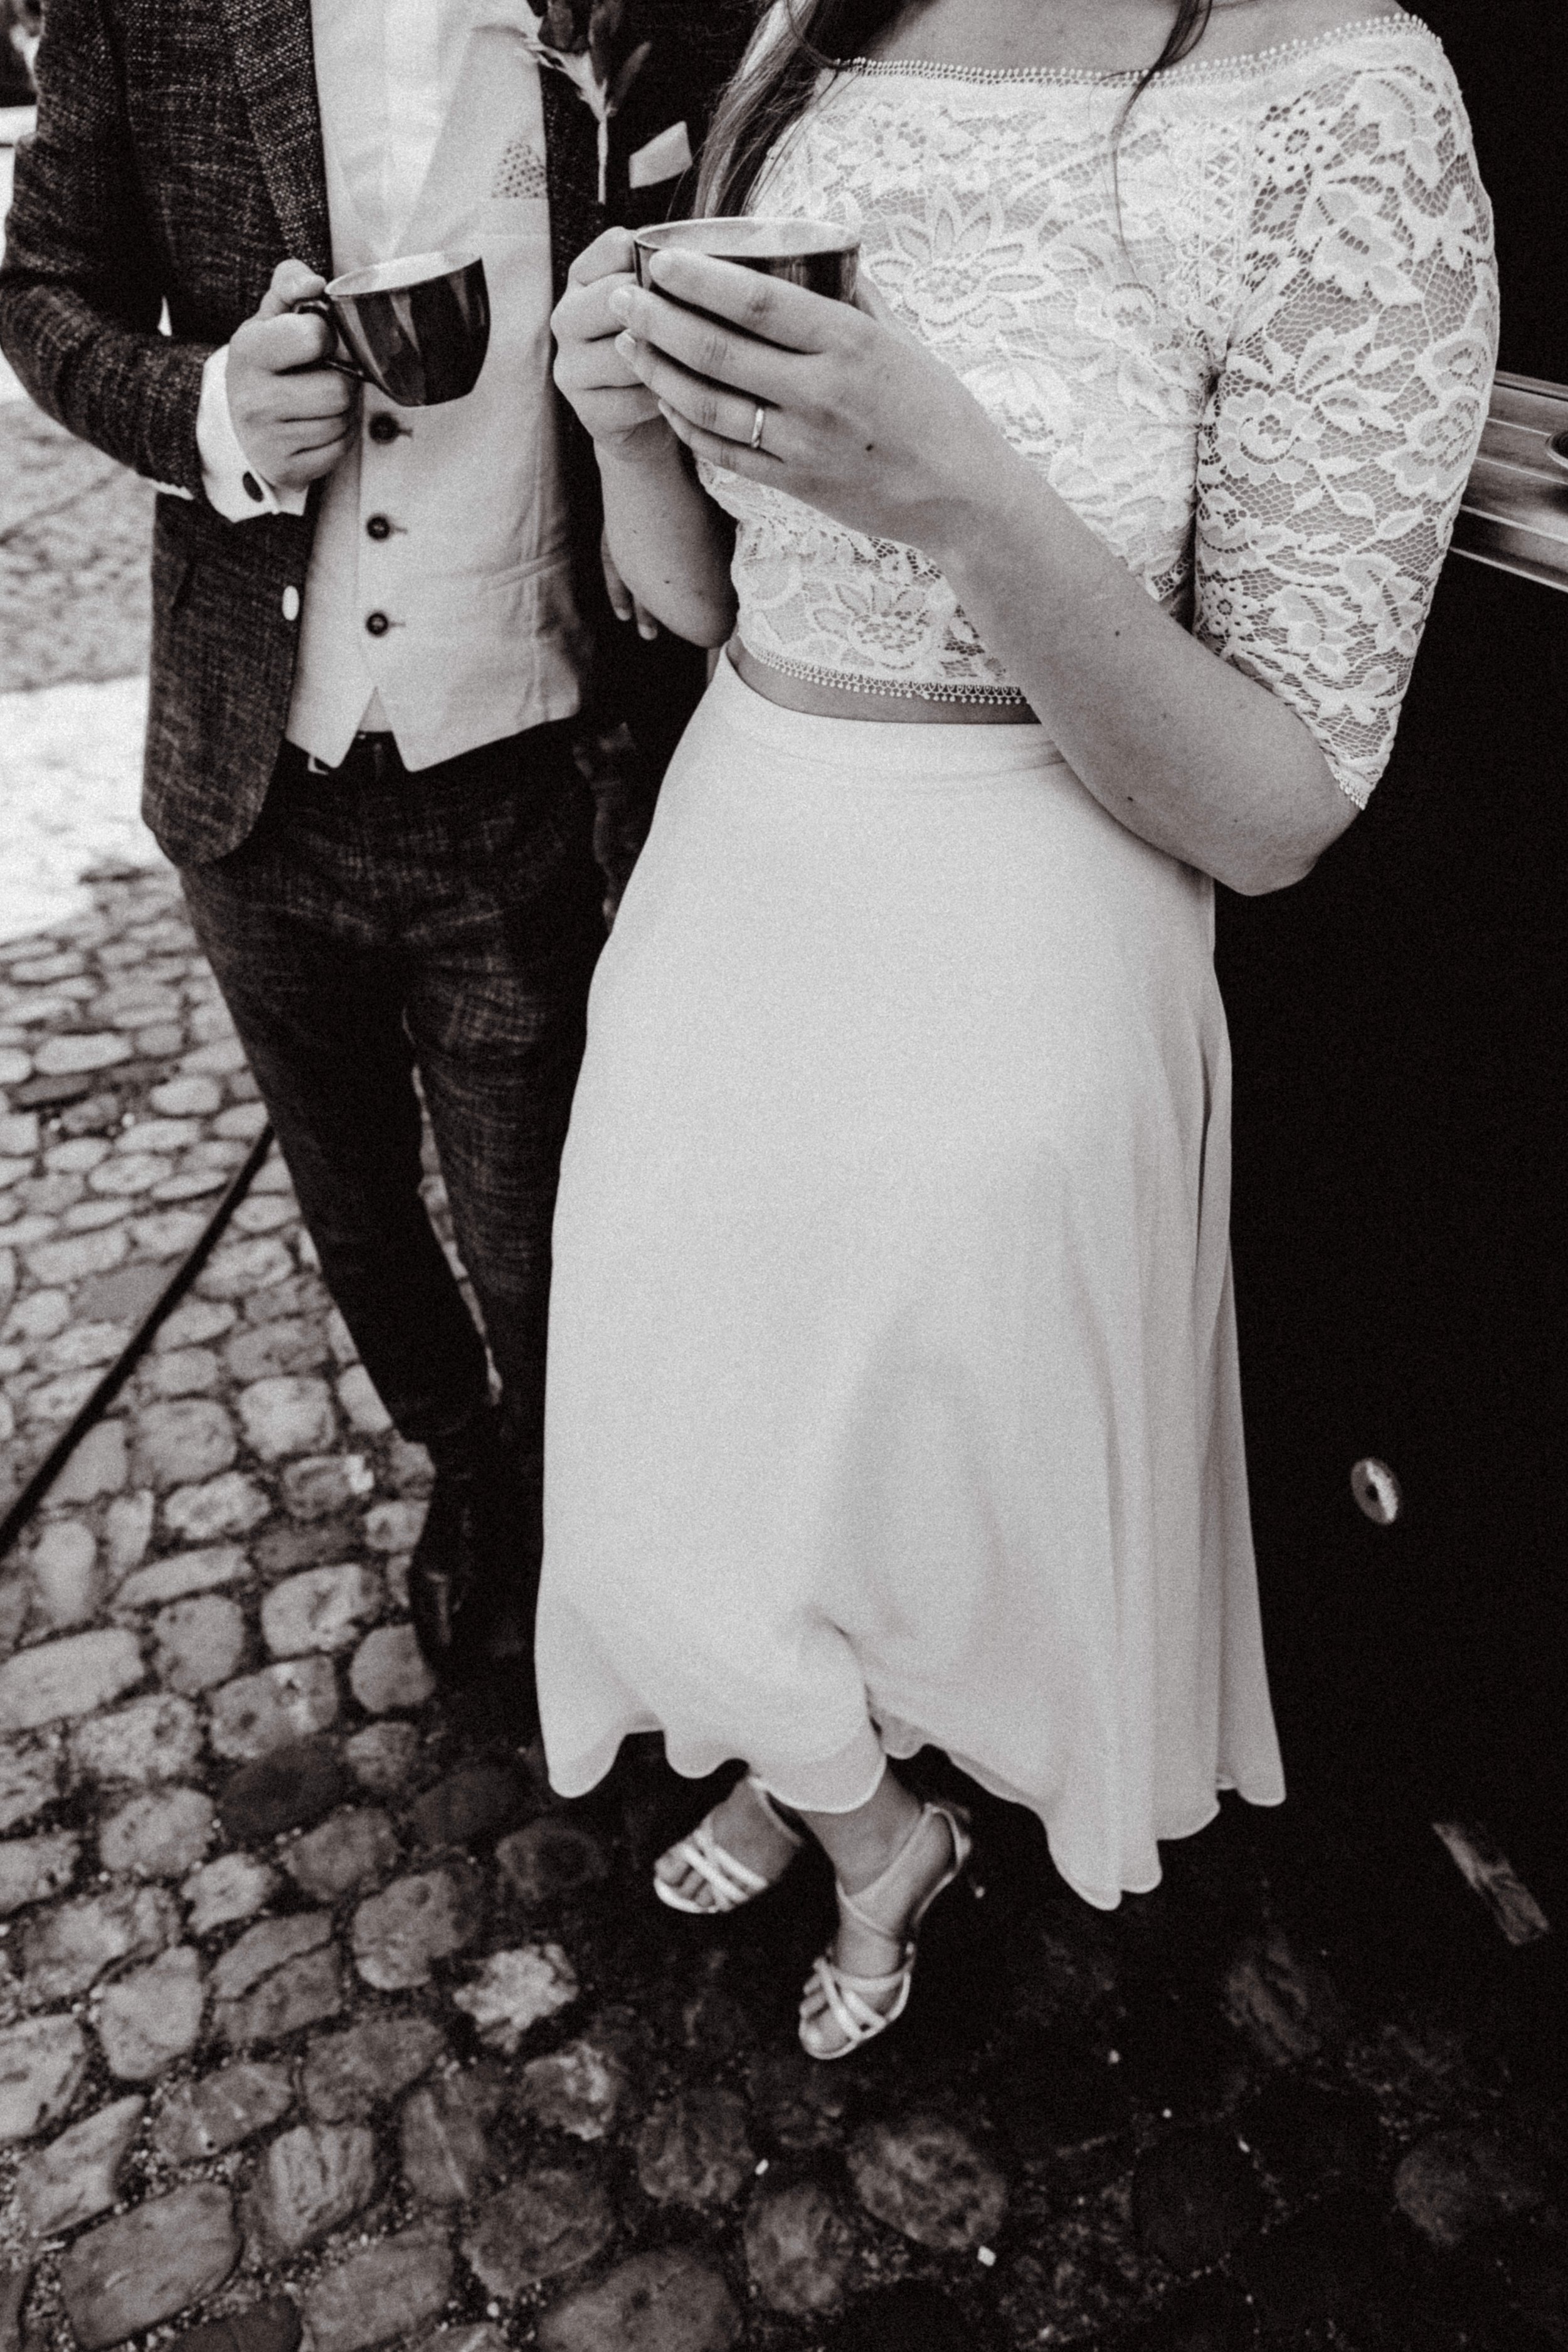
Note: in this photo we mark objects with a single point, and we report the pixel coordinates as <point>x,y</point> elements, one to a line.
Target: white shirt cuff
<point>232,484</point>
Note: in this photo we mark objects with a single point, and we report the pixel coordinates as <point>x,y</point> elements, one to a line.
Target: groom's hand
<point>292,415</point>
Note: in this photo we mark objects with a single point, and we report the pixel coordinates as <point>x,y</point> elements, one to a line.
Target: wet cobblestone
<point>319,2012</point>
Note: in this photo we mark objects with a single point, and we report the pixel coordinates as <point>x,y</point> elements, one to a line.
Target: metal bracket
<point>1514,512</point>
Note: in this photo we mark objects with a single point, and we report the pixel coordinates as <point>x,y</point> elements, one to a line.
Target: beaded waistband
<point>986,693</point>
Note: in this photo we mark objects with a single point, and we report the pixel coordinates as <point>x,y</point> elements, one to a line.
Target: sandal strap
<point>854,2002</point>
<point>958,1831</point>
<point>728,1880</point>
<point>858,2017</point>
<point>768,1804</point>
<point>733,1882</point>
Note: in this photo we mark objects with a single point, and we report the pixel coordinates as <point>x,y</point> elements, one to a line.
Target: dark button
<point>377,624</point>
<point>383,428</point>
<point>378,527</point>
<point>251,487</point>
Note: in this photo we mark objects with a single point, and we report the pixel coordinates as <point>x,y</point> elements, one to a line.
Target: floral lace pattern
<point>1254,355</point>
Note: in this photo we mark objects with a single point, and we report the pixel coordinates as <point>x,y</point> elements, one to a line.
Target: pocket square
<point>662,159</point>
<point>520,172</point>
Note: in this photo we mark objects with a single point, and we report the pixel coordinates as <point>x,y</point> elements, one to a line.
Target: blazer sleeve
<point>82,286</point>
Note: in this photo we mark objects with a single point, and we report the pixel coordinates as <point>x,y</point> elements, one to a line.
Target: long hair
<point>773,89</point>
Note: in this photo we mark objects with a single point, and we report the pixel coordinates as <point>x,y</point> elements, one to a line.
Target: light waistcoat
<point>439,601</point>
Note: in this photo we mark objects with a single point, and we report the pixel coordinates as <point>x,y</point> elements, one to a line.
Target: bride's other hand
<point>623,604</point>
<point>858,419</point>
<point>667,545</point>
<point>613,403</point>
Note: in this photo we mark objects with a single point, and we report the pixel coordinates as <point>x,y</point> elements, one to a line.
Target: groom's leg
<point>496,1006</point>
<point>450,916</point>
<point>316,997</point>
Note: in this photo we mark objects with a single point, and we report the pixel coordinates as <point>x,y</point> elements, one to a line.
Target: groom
<point>378,633</point>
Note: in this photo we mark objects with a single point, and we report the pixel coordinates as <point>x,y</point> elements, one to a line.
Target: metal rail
<point>103,1395</point>
<point>1514,513</point>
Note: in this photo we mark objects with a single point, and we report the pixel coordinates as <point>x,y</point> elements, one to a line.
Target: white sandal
<point>730,1881</point>
<point>856,2004</point>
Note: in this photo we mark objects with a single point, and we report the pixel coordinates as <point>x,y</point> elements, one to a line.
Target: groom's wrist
<point>233,486</point>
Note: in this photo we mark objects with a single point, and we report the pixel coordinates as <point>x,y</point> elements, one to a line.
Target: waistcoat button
<point>290,603</point>
<point>377,624</point>
<point>378,527</point>
<point>383,428</point>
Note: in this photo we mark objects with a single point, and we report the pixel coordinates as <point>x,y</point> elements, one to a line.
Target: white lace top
<point>1262,384</point>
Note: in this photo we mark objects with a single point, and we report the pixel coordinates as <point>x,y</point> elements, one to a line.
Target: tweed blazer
<point>177,160</point>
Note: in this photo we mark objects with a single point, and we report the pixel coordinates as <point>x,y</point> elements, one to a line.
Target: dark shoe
<point>466,1571</point>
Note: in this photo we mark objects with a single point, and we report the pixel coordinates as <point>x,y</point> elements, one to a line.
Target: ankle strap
<point>768,1804</point>
<point>847,1903</point>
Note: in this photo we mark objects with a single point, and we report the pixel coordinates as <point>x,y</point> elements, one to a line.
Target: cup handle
<point>319,308</point>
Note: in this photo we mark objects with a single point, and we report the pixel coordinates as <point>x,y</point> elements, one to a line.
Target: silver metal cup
<point>822,256</point>
<point>417,328</point>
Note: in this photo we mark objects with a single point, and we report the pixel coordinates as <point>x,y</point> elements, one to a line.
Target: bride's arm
<point>669,542</point>
<point>1184,750</point>
<point>1244,746</point>
<point>1179,746</point>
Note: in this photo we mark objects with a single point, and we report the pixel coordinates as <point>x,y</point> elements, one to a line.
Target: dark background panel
<point>1400,1024</point>
<point>1512,58</point>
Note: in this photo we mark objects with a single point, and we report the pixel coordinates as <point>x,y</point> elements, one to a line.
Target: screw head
<point>1376,1490</point>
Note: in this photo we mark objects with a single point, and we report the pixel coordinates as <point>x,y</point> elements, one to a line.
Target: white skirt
<point>892,1388</point>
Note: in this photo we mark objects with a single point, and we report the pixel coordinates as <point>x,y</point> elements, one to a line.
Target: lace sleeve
<point>1341,426</point>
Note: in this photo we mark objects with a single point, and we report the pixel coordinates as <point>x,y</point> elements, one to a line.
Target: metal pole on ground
<point>92,1410</point>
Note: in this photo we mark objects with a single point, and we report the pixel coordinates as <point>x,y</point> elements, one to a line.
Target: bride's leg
<point>744,1826</point>
<point>861,1843</point>
<point>760,1826</point>
<point>890,1853</point>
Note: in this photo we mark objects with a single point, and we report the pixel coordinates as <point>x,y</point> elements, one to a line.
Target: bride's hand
<point>590,370</point>
<point>857,418</point>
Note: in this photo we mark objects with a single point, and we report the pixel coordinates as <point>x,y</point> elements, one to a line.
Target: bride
<point>1080,563</point>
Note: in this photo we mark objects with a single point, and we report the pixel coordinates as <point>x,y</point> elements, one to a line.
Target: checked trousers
<point>378,924</point>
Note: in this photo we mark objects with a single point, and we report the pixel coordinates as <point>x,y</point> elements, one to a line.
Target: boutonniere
<point>585,40</point>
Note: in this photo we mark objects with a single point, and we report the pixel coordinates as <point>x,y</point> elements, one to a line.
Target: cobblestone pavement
<point>74,619</point>
<point>318,2011</point>
<point>74,530</point>
<point>70,767</point>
